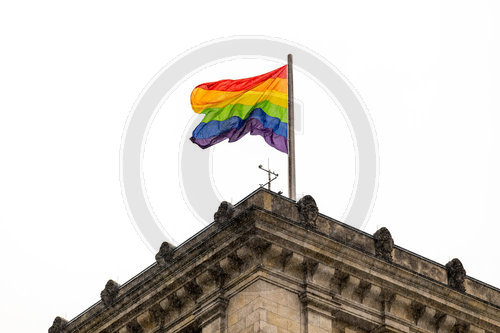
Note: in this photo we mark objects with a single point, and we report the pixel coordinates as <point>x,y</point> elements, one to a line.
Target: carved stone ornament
<point>417,311</point>
<point>175,301</point>
<point>459,328</point>
<point>308,211</point>
<point>383,244</point>
<point>134,327</point>
<point>58,326</point>
<point>108,295</point>
<point>224,213</point>
<point>165,253</point>
<point>158,314</point>
<point>194,290</point>
<point>456,275</point>
<point>218,275</point>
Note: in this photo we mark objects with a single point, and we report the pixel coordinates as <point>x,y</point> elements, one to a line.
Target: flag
<point>233,108</point>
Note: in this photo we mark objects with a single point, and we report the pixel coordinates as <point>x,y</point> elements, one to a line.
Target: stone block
<point>258,315</point>
<point>146,321</point>
<point>372,297</point>
<point>277,320</point>
<point>232,319</point>
<point>349,285</point>
<point>213,327</point>
<point>290,313</point>
<point>445,323</point>
<point>237,327</point>
<point>474,329</point>
<point>266,304</point>
<point>427,320</point>
<point>323,275</point>
<point>313,319</point>
<point>293,326</point>
<point>244,312</point>
<point>316,329</point>
<point>263,327</point>
<point>325,323</point>
<point>400,307</point>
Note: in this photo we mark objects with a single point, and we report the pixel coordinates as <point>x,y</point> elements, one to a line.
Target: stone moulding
<point>193,287</point>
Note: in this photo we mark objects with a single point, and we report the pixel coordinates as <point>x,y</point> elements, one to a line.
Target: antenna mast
<point>269,173</point>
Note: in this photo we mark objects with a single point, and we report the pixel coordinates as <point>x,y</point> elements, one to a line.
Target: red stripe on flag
<point>244,84</point>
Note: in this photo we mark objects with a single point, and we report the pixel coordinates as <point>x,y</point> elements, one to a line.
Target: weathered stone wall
<point>263,307</point>
<point>214,326</point>
<point>319,323</point>
<point>272,265</point>
<point>352,237</point>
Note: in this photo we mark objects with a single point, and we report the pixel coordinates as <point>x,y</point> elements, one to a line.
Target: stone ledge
<point>306,255</point>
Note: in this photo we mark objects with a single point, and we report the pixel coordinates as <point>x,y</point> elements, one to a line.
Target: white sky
<point>69,75</point>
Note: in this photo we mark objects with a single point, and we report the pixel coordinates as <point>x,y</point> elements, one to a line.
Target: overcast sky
<point>70,73</point>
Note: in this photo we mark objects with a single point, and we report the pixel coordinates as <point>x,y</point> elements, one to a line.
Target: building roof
<point>269,236</point>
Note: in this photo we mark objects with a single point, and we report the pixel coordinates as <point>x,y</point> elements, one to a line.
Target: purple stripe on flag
<point>252,126</point>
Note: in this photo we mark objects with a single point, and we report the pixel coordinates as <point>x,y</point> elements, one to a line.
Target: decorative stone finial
<point>58,326</point>
<point>224,213</point>
<point>383,244</point>
<point>108,295</point>
<point>308,211</point>
<point>165,253</point>
<point>456,275</point>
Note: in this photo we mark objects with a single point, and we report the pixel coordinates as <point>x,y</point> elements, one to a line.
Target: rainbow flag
<point>233,108</point>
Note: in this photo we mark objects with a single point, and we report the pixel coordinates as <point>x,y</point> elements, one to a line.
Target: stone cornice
<point>356,262</point>
<point>332,270</point>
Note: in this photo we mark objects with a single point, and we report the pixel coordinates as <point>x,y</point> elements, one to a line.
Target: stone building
<point>269,264</point>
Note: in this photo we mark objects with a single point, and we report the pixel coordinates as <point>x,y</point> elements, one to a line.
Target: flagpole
<point>291,133</point>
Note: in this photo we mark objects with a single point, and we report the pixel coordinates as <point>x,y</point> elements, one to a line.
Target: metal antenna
<point>269,173</point>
